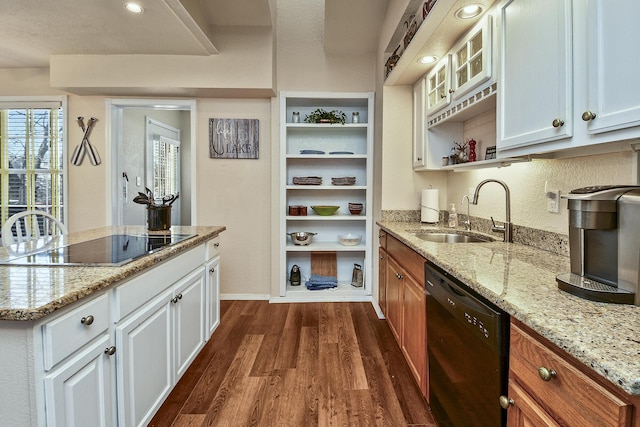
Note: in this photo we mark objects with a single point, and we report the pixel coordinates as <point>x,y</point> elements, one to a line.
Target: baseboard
<point>245,297</point>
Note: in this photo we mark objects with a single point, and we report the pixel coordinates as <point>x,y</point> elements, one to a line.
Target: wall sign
<point>234,138</point>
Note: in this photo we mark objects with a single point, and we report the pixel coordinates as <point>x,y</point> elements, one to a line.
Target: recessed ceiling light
<point>429,59</point>
<point>469,11</point>
<point>133,7</point>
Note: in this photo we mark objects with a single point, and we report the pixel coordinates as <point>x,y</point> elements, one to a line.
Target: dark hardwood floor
<point>312,364</point>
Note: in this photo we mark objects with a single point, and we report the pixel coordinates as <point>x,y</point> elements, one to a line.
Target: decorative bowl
<point>325,210</point>
<point>349,239</point>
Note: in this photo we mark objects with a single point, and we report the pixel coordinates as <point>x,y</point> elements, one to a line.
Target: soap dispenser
<point>453,216</point>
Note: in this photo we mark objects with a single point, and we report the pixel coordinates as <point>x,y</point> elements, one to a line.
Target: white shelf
<point>326,187</point>
<point>323,127</point>
<point>325,247</point>
<point>327,156</point>
<point>326,218</point>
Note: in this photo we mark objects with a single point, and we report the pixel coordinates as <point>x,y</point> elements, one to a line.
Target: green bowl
<point>325,210</point>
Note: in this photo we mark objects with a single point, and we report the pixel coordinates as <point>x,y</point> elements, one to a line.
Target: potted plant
<point>323,116</point>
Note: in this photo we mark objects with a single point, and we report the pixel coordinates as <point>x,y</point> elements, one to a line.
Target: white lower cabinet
<point>212,267</point>
<point>144,374</point>
<point>189,320</point>
<point>80,392</point>
<point>112,360</point>
<point>155,347</point>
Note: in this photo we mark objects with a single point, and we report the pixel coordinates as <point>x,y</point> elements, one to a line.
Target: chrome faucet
<point>467,222</point>
<point>506,229</point>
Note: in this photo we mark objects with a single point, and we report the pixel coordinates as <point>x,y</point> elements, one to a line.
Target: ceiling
<point>32,30</point>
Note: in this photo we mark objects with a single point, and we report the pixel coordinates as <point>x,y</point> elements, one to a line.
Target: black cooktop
<point>114,250</point>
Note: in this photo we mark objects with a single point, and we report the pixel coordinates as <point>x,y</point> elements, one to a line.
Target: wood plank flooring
<point>311,364</point>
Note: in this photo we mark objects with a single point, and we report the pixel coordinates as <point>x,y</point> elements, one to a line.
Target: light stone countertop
<point>30,293</point>
<point>521,280</point>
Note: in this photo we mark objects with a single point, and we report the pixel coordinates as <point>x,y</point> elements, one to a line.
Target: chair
<point>31,225</point>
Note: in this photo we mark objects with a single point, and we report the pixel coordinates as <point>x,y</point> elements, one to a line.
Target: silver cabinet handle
<point>176,298</point>
<point>212,270</point>
<point>556,123</point>
<point>110,351</point>
<point>216,245</point>
<point>88,320</point>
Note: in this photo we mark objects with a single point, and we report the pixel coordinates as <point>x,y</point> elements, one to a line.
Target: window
<point>32,157</point>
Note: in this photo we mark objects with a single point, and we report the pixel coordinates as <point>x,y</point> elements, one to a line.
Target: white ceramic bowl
<point>349,239</point>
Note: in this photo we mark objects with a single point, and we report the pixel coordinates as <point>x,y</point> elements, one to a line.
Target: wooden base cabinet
<point>546,389</point>
<point>406,305</point>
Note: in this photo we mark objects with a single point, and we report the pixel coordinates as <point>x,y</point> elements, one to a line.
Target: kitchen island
<point>520,279</point>
<point>82,344</point>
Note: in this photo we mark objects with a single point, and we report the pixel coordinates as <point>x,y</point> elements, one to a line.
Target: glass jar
<point>355,117</point>
<point>295,117</point>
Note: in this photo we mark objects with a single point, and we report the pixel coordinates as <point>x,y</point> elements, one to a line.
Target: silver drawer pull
<point>216,245</point>
<point>86,321</point>
<point>212,270</point>
<point>110,351</point>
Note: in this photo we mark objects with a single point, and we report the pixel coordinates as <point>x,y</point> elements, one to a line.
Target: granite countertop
<point>521,280</point>
<point>30,293</point>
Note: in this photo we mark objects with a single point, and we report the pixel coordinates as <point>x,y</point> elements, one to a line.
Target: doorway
<point>132,123</point>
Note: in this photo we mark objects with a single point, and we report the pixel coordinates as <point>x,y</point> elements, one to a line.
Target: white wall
<point>236,193</point>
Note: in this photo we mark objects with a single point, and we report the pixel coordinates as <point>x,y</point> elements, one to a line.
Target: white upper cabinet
<point>472,59</point>
<point>567,75</point>
<point>612,60</point>
<point>535,72</point>
<point>419,129</point>
<point>439,85</point>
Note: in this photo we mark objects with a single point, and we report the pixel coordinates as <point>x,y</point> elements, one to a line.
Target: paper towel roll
<point>429,207</point>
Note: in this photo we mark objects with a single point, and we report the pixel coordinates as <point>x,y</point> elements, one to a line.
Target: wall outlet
<point>553,201</point>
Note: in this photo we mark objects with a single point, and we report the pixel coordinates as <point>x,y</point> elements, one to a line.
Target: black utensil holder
<point>159,218</point>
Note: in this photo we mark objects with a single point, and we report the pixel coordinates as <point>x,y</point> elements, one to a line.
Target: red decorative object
<point>472,150</point>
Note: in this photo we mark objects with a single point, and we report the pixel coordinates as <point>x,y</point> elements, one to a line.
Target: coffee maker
<point>604,244</point>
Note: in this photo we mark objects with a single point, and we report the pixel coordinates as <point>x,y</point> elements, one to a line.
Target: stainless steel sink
<point>450,238</point>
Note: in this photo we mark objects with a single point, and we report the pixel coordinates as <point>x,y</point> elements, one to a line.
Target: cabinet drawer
<point>410,261</point>
<point>213,247</point>
<point>135,292</point>
<point>570,396</point>
<point>69,332</point>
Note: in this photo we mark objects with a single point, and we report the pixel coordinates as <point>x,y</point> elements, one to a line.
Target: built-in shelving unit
<point>337,151</point>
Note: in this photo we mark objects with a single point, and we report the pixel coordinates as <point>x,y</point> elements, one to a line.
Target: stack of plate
<point>347,180</point>
<point>307,180</point>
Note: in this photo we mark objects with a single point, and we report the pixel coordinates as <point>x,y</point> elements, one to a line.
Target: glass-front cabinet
<point>472,59</point>
<point>326,176</point>
<point>439,85</point>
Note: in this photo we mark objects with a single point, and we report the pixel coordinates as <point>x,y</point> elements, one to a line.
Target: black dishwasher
<point>468,348</point>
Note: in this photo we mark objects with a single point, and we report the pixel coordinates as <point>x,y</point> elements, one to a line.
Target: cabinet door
<point>439,85</point>
<point>79,393</point>
<point>612,59</point>
<point>394,298</point>
<point>535,73</point>
<point>144,372</point>
<point>213,295</point>
<point>382,280</point>
<point>414,331</point>
<point>189,319</point>
<point>471,63</point>
<point>525,412</point>
<point>419,118</point>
